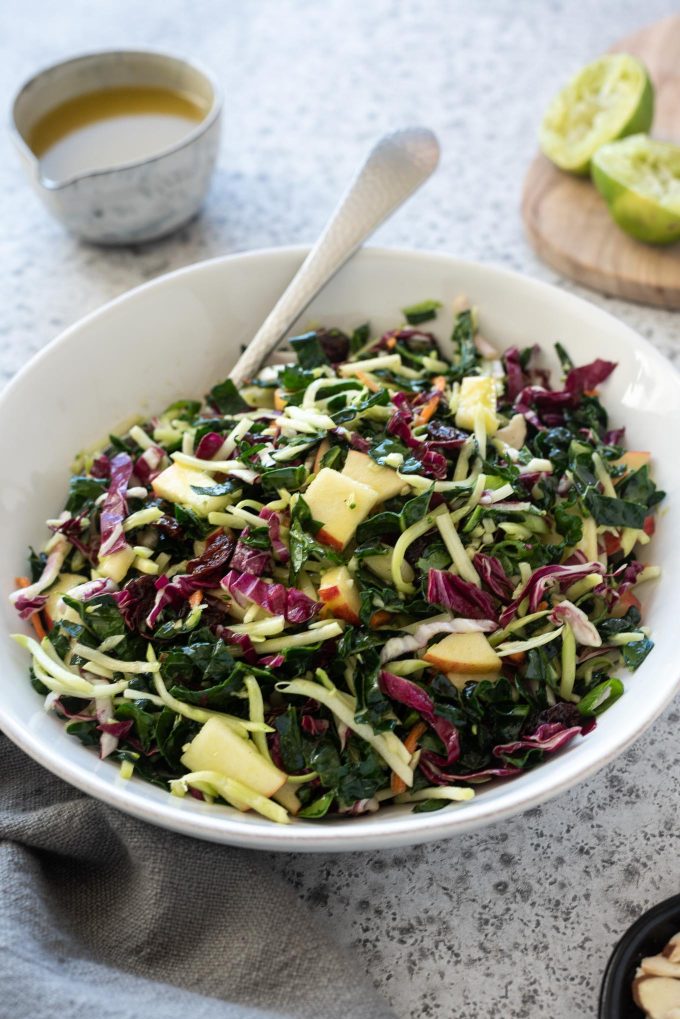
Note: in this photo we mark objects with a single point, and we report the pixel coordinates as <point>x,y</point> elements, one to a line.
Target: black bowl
<point>647,936</point>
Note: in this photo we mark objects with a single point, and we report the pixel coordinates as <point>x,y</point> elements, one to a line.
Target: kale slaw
<point>376,575</point>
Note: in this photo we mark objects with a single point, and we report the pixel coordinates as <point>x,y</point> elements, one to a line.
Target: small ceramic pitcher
<point>136,201</point>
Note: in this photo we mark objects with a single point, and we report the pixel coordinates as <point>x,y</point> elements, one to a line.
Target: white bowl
<point>177,336</point>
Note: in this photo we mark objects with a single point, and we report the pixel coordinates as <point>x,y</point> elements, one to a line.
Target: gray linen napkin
<point>105,916</point>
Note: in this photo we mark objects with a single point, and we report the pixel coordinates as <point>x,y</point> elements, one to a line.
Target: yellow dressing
<point>112,127</point>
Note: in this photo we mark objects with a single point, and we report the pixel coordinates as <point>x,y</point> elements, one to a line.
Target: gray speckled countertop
<point>518,919</point>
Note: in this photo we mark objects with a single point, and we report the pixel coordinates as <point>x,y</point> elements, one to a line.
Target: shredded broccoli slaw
<point>376,575</point>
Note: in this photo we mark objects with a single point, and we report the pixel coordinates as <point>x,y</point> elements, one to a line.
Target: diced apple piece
<point>477,398</point>
<point>634,459</point>
<point>116,565</point>
<point>324,446</point>
<point>288,798</point>
<point>464,652</point>
<point>340,504</point>
<point>217,748</point>
<point>459,679</point>
<point>175,484</point>
<point>383,480</point>
<point>55,609</point>
<point>339,593</point>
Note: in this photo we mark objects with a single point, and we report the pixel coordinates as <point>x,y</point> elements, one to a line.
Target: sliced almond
<point>514,433</point>
<point>656,995</point>
<point>660,966</point>
<point>486,349</point>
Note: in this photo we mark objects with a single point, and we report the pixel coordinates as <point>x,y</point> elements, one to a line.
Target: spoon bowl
<point>396,166</point>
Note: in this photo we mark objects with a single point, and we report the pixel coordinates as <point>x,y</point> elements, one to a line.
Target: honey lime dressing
<point>111,127</point>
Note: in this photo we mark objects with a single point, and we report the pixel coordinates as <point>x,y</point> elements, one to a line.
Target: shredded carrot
<point>411,741</point>
<point>591,392</point>
<point>195,599</point>
<point>37,625</point>
<point>391,342</point>
<point>427,410</point>
<point>379,618</point>
<point>35,620</point>
<point>367,381</point>
<point>439,383</point>
<point>280,400</point>
<point>518,657</point>
<point>397,784</point>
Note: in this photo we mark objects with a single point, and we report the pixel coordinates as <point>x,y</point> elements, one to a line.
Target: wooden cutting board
<point>567,221</point>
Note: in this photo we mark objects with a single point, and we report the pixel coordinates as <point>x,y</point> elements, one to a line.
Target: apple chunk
<point>116,565</point>
<point>340,504</point>
<point>464,652</point>
<point>55,609</point>
<point>383,480</point>
<point>339,593</point>
<point>217,748</point>
<point>177,482</point>
<point>461,679</point>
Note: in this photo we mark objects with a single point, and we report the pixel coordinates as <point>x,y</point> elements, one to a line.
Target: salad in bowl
<point>376,574</point>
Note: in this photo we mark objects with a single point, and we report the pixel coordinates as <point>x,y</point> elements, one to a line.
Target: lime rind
<point>639,178</point>
<point>608,99</point>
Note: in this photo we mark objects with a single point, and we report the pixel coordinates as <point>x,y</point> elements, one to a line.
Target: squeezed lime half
<point>639,179</point>
<point>607,99</point>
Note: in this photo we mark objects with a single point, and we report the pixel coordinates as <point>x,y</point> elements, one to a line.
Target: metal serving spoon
<point>394,169</point>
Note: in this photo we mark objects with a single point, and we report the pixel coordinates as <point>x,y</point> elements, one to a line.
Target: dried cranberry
<point>170,527</point>
<point>213,562</point>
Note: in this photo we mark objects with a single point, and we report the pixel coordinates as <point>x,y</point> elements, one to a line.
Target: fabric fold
<point>105,915</point>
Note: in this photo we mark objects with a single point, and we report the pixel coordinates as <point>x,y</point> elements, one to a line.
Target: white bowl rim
<point>337,836</point>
